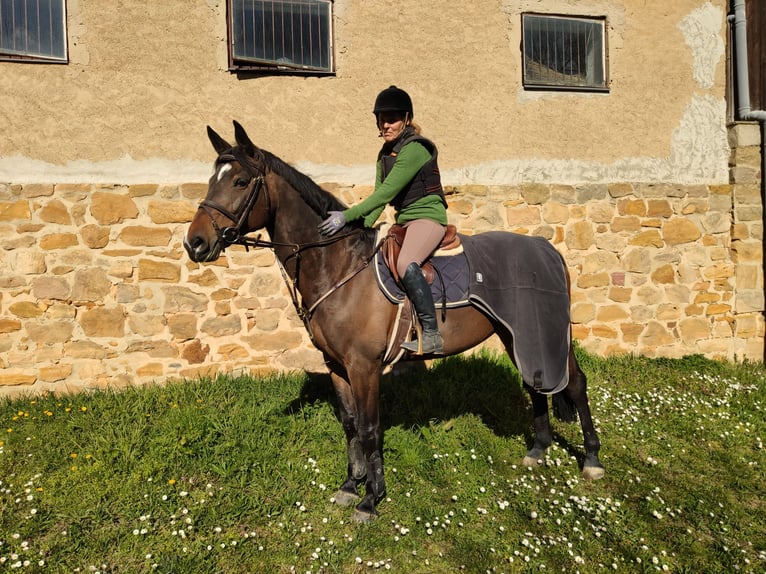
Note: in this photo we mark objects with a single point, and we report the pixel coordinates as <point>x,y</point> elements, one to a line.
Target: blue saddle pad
<point>451,279</point>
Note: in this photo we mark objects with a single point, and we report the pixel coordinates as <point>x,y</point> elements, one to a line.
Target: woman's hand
<point>332,224</point>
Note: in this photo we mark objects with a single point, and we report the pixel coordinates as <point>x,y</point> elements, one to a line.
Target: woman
<point>407,177</point>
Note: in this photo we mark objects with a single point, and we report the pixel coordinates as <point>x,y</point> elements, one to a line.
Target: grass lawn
<point>237,475</point>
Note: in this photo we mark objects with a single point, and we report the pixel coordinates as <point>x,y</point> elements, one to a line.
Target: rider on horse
<point>407,177</point>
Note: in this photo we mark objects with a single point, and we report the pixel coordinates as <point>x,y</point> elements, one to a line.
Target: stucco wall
<point>146,77</point>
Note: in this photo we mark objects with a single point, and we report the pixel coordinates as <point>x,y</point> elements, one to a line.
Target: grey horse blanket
<point>520,281</point>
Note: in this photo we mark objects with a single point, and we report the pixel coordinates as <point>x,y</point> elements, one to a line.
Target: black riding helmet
<point>393,99</point>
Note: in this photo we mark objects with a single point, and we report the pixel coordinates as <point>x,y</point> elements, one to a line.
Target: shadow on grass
<point>415,396</point>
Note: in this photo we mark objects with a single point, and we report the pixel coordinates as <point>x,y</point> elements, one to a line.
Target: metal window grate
<point>290,35</point>
<point>33,30</point>
<point>564,52</point>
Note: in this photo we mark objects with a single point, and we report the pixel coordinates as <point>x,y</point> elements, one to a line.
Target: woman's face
<point>391,125</point>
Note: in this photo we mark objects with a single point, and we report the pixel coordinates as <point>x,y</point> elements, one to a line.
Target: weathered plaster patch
<point>699,154</point>
<point>702,33</point>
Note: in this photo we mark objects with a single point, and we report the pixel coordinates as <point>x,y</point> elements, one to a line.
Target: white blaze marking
<point>222,171</point>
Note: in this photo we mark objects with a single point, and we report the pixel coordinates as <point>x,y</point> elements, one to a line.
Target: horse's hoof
<point>363,516</point>
<point>343,498</point>
<point>593,472</point>
<point>531,461</point>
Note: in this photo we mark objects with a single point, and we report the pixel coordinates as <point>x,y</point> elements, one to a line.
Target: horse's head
<point>237,200</point>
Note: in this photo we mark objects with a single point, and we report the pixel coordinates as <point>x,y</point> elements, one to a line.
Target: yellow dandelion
<point>74,469</point>
<point>83,409</point>
<point>73,455</point>
<point>49,413</point>
<point>172,481</point>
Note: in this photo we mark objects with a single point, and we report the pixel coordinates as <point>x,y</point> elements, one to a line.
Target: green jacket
<point>412,157</point>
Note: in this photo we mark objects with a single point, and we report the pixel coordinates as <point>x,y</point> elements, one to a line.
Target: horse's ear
<point>243,139</point>
<point>219,144</point>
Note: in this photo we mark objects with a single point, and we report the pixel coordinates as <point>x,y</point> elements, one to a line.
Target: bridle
<point>236,234</point>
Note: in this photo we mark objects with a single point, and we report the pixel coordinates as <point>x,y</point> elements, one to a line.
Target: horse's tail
<point>564,408</point>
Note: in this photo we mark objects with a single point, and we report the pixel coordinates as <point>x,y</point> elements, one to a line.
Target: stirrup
<point>427,344</point>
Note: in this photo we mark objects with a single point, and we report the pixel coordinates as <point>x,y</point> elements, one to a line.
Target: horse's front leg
<point>365,389</point>
<point>357,466</point>
<point>543,435</point>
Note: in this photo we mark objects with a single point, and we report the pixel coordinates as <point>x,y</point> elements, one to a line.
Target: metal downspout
<point>739,19</point>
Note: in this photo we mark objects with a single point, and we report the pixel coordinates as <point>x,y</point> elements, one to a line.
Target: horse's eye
<point>241,182</point>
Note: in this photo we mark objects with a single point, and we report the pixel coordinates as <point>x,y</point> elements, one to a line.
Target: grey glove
<point>332,224</point>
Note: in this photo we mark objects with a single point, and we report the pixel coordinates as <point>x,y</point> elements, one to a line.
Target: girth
<point>394,240</point>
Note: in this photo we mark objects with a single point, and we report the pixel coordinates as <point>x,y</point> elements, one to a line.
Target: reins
<point>234,235</point>
<point>306,313</point>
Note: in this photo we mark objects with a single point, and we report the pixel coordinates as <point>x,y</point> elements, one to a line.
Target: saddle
<point>392,246</point>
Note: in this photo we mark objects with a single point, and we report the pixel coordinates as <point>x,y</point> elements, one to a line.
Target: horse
<point>335,292</point>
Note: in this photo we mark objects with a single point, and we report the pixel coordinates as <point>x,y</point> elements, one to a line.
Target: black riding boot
<point>419,293</point>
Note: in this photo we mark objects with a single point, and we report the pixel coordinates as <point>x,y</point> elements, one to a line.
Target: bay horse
<point>335,292</point>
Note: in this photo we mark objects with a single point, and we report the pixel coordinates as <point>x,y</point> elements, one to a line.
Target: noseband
<point>236,233</point>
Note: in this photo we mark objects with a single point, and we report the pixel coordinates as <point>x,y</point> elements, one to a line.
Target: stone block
<point>179,299</point>
<point>163,212</point>
<point>665,274</point>
<point>631,223</point>
<point>139,235</point>
<point>182,326</point>
<point>680,230</point>
<point>150,270</point>
<point>55,373</point>
<point>580,235</point>
<point>9,325</point>
<point>111,208</point>
<point>555,213</point>
<point>58,241</point>
<point>631,207</point>
<point>90,285</point>
<point>86,350</point>
<point>48,287</point>
<point>274,341</point>
<point>535,193</point>
<point>26,309</point>
<point>749,301</point>
<point>649,238</point>
<point>638,260</point>
<point>522,215</point>
<point>611,313</point>
<point>55,212</point>
<point>195,191</point>
<point>593,280</point>
<point>9,378</point>
<point>103,322</point>
<point>631,332</point>
<point>195,352</point>
<point>658,208</point>
<point>618,190</point>
<point>95,236</point>
<point>221,326</point>
<point>49,332</point>
<point>656,335</point>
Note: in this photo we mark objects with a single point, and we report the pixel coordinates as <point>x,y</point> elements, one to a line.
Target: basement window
<point>291,37</point>
<point>564,52</point>
<point>33,31</point>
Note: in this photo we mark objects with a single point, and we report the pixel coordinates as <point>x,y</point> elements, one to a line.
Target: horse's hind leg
<point>543,436</point>
<point>576,393</point>
<point>357,467</point>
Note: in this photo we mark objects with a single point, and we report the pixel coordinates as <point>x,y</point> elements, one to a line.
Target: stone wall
<point>96,289</point>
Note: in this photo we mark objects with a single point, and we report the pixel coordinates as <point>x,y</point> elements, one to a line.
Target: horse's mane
<point>318,199</point>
